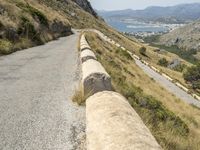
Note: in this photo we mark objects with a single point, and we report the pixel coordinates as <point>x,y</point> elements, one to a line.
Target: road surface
<point>168,85</point>
<point>36,85</point>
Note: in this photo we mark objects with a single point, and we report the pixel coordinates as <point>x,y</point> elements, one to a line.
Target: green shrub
<point>192,75</point>
<point>186,55</point>
<point>157,113</point>
<point>163,62</point>
<point>180,68</point>
<point>124,54</point>
<point>6,47</point>
<point>142,51</point>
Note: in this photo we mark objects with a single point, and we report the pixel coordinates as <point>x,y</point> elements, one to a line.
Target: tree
<point>192,75</point>
<point>163,62</point>
<point>143,51</point>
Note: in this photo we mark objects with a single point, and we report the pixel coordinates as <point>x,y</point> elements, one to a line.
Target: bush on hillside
<point>5,47</point>
<point>163,62</point>
<point>124,54</point>
<point>180,68</point>
<point>192,75</point>
<point>142,51</point>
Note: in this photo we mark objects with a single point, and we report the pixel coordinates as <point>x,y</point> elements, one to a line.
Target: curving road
<point>168,85</point>
<point>36,85</point>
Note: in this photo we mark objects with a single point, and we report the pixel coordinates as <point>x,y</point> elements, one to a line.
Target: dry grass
<point>79,96</point>
<point>153,57</point>
<point>27,23</point>
<point>130,73</point>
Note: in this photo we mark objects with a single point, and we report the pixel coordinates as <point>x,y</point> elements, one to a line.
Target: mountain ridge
<point>182,13</point>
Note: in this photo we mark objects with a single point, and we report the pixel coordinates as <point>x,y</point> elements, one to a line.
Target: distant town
<point>142,34</point>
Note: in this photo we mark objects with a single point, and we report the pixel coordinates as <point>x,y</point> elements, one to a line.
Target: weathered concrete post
<point>112,124</point>
<point>86,55</point>
<point>95,78</point>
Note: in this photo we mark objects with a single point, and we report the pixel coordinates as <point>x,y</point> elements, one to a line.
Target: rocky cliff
<point>86,6</point>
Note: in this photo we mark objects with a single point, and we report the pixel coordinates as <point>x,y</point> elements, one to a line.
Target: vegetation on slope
<point>28,23</point>
<point>185,38</point>
<point>187,71</point>
<point>156,110</point>
<point>186,55</point>
<point>192,75</point>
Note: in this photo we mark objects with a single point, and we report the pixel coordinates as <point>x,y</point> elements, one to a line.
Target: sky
<point>135,4</point>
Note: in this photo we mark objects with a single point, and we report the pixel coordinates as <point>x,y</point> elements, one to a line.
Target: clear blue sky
<point>134,4</point>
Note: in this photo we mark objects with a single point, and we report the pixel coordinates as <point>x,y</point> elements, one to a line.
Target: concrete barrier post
<point>86,55</point>
<point>95,78</point>
<point>112,124</point>
<point>83,43</point>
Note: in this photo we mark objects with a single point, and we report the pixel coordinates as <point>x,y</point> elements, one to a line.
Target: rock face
<point>59,28</point>
<point>86,6</point>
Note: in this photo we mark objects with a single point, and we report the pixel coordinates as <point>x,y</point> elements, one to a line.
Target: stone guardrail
<point>94,77</point>
<point>112,124</point>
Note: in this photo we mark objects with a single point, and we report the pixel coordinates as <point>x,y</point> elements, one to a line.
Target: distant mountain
<point>172,14</point>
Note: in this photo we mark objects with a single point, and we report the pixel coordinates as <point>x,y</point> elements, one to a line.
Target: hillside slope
<point>26,23</point>
<point>186,37</point>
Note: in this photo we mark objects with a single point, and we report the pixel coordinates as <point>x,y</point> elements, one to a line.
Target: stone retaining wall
<point>112,124</point>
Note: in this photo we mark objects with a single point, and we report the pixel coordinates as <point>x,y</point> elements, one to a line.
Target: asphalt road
<point>168,85</point>
<point>36,85</point>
